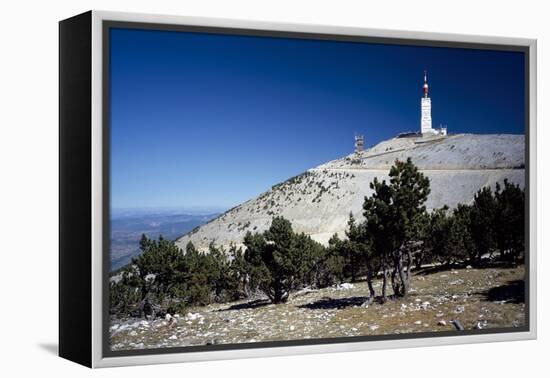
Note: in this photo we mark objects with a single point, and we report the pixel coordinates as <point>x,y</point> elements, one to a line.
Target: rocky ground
<point>477,298</point>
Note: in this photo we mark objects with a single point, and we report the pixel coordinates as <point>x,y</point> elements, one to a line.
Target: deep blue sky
<point>209,121</point>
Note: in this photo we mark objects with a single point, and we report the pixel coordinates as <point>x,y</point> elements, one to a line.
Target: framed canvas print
<point>234,189</point>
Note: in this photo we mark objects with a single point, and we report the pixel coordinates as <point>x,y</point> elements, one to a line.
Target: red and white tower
<point>426,109</point>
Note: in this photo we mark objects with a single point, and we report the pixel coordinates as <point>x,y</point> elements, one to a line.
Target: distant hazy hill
<point>128,226</point>
<point>318,202</point>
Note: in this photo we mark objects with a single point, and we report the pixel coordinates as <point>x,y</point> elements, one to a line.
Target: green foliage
<point>495,221</point>
<point>353,250</point>
<point>482,216</point>
<point>123,294</point>
<point>509,230</point>
<point>280,260</point>
<point>460,245</point>
<point>331,267</point>
<point>172,279</point>
<point>159,268</point>
<point>394,217</point>
<point>437,235</point>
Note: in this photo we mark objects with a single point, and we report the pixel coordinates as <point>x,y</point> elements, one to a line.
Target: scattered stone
<point>191,316</point>
<point>468,267</point>
<point>457,325</point>
<point>345,286</point>
<point>437,301</point>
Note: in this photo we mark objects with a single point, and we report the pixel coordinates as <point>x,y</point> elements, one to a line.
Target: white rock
<point>191,316</point>
<point>168,317</point>
<point>374,327</point>
<point>468,267</point>
<point>418,322</point>
<point>345,286</point>
<point>292,328</point>
<point>442,323</point>
<point>173,337</point>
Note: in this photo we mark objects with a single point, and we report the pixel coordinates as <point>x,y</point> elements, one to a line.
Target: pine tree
<point>278,259</point>
<point>482,217</point>
<point>437,238</point>
<point>509,230</point>
<point>393,220</point>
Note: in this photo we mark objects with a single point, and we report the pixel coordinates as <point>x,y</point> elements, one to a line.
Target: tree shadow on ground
<point>248,305</point>
<point>334,303</point>
<point>512,292</point>
<point>483,264</point>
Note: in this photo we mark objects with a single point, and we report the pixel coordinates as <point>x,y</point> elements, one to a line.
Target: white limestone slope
<point>318,202</point>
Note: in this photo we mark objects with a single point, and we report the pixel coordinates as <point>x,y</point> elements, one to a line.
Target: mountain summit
<point>318,201</point>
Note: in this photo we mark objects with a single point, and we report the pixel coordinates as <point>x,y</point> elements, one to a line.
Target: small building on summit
<point>426,113</point>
